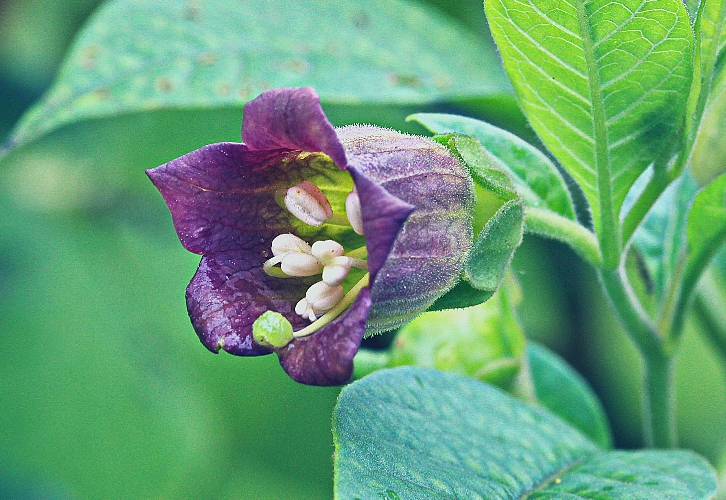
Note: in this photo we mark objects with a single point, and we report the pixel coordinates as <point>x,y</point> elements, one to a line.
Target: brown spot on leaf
<point>296,65</point>
<point>192,11</point>
<point>207,59</point>
<point>403,80</point>
<point>224,89</point>
<point>90,54</point>
<point>164,85</point>
<point>361,20</point>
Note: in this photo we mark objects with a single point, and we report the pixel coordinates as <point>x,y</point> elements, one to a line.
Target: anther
<point>300,264</point>
<point>287,242</point>
<point>352,210</point>
<point>319,299</point>
<point>308,203</point>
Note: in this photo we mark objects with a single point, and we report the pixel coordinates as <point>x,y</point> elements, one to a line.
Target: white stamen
<point>286,243</point>
<point>300,264</point>
<point>333,275</point>
<point>319,299</point>
<point>308,203</point>
<point>327,250</point>
<point>352,210</point>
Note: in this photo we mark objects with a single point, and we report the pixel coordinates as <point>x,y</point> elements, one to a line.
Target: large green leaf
<point>535,177</point>
<point>417,433</point>
<point>604,84</point>
<point>139,56</point>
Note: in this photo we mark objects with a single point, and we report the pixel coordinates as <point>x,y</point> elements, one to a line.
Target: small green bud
<point>272,329</point>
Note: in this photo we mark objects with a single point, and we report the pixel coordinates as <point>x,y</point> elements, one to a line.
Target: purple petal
<point>383,217</point>
<point>221,197</point>
<point>229,292</point>
<point>290,118</point>
<point>326,357</point>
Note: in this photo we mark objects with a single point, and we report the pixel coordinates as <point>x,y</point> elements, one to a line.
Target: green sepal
<point>494,247</point>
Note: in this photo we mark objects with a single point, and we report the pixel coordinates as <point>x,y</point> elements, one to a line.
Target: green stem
<point>659,402</point>
<point>551,225</point>
<point>658,359</point>
<point>693,270</point>
<point>631,314</point>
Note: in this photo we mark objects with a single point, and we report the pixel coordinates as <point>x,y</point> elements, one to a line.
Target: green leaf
<point>660,243</point>
<point>709,151</point>
<point>706,228</point>
<point>710,32</point>
<point>417,433</point>
<point>604,84</point>
<point>564,392</point>
<point>535,177</point>
<point>136,56</point>
<point>462,295</point>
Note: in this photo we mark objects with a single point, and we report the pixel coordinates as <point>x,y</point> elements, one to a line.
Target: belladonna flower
<point>313,236</point>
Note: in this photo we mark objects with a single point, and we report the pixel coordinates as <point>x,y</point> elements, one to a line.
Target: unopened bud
<point>352,210</point>
<point>308,203</point>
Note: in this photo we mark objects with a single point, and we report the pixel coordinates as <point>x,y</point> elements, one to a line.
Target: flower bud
<point>308,203</point>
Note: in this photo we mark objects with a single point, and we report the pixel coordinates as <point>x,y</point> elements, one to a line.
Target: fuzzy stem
<point>551,225</point>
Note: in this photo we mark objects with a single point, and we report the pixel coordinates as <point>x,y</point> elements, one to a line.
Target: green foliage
<point>660,243</point>
<point>709,151</point>
<point>535,177</point>
<point>603,84</point>
<point>139,56</point>
<point>563,391</point>
<point>706,228</point>
<point>417,433</point>
<point>484,342</point>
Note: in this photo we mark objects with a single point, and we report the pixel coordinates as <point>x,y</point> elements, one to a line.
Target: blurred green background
<point>105,391</point>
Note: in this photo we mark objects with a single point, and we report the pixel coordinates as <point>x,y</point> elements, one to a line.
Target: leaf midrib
<point>608,228</point>
<point>553,477</point>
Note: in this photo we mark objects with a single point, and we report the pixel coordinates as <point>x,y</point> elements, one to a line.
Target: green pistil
<point>272,329</point>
